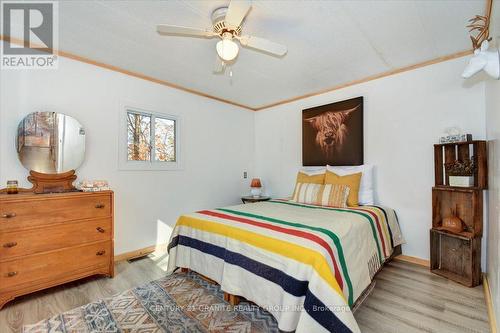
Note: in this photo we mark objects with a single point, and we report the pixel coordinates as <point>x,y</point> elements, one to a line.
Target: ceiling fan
<point>226,24</point>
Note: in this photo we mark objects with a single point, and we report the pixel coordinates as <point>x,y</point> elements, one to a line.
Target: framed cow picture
<point>333,134</point>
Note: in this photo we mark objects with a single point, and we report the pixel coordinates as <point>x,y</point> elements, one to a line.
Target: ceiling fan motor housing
<point>219,25</point>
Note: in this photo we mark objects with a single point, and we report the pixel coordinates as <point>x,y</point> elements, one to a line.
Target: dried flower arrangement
<point>461,168</point>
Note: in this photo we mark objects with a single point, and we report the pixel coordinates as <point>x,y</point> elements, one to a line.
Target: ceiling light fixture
<point>227,49</point>
<point>226,25</point>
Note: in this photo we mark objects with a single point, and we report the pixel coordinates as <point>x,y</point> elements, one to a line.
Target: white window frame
<point>125,164</point>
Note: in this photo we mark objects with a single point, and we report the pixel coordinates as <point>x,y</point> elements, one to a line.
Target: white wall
<point>403,117</point>
<point>217,144</point>
<point>493,134</point>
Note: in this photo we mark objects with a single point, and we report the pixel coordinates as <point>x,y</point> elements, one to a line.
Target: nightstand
<point>251,199</point>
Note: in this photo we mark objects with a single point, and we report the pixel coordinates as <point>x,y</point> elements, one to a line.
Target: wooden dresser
<point>50,239</point>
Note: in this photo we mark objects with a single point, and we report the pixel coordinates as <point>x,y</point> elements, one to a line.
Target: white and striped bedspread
<point>305,264</point>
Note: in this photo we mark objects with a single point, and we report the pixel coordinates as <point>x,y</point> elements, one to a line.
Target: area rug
<point>181,302</point>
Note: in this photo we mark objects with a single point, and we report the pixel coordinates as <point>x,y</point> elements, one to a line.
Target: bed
<point>307,265</point>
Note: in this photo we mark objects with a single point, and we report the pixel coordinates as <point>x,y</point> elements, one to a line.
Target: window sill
<point>145,166</point>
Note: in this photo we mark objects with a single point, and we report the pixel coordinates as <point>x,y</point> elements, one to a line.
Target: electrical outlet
<point>245,175</point>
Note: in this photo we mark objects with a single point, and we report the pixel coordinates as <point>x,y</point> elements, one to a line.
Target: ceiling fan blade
<point>220,66</point>
<point>165,29</point>
<point>263,45</point>
<point>237,11</point>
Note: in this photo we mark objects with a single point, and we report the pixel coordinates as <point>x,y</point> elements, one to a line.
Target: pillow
<point>366,186</point>
<point>313,169</point>
<point>322,195</point>
<point>313,177</point>
<point>350,180</point>
<point>310,177</point>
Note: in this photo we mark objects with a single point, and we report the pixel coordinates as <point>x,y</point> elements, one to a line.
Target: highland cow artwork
<point>333,134</point>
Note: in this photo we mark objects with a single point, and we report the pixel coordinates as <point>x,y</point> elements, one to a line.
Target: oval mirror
<point>50,142</point>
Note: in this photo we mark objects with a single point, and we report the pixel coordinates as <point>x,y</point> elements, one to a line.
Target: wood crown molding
<point>370,78</point>
<point>260,108</point>
<point>69,55</point>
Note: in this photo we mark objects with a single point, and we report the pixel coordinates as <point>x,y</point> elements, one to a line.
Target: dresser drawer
<point>42,210</point>
<point>53,265</point>
<point>52,237</point>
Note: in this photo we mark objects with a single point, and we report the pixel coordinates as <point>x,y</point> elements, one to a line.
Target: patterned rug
<point>181,302</point>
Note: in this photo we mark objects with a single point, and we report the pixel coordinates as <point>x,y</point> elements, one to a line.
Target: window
<point>164,136</point>
<point>151,141</point>
<point>138,137</point>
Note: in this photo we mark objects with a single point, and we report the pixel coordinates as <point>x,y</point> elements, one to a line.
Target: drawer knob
<point>100,253</point>
<point>10,244</point>
<point>99,205</point>
<point>11,274</point>
<point>101,230</point>
<point>8,215</point>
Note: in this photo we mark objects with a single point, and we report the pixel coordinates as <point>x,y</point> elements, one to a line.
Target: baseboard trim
<point>413,260</point>
<point>489,304</point>
<point>140,252</point>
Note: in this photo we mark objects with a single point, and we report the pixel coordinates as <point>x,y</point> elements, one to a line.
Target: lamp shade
<point>255,183</point>
<point>227,49</point>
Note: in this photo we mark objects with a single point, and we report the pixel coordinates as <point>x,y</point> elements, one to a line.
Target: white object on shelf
<point>462,181</point>
<point>256,191</point>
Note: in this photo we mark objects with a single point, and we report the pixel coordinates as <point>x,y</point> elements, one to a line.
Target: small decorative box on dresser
<point>457,221</point>
<point>50,239</point>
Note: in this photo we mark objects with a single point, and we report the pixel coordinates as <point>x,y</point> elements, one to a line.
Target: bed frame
<point>235,299</point>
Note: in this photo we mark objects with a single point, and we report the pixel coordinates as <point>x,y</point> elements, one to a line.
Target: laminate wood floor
<point>407,298</point>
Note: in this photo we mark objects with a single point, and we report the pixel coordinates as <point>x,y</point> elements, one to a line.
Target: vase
<point>461,181</point>
<point>453,224</point>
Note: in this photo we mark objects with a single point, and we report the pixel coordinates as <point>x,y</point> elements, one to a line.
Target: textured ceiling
<point>329,42</point>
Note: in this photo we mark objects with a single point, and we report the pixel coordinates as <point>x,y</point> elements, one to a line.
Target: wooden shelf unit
<point>457,256</point>
<point>467,202</point>
<point>460,151</point>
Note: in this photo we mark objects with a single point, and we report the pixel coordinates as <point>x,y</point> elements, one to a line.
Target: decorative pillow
<point>312,177</point>
<point>366,186</point>
<point>310,170</point>
<point>352,181</point>
<point>322,195</point>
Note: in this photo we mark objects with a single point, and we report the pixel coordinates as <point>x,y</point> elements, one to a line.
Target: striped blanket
<point>304,264</point>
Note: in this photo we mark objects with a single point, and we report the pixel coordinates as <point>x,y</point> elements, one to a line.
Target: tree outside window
<point>150,137</point>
